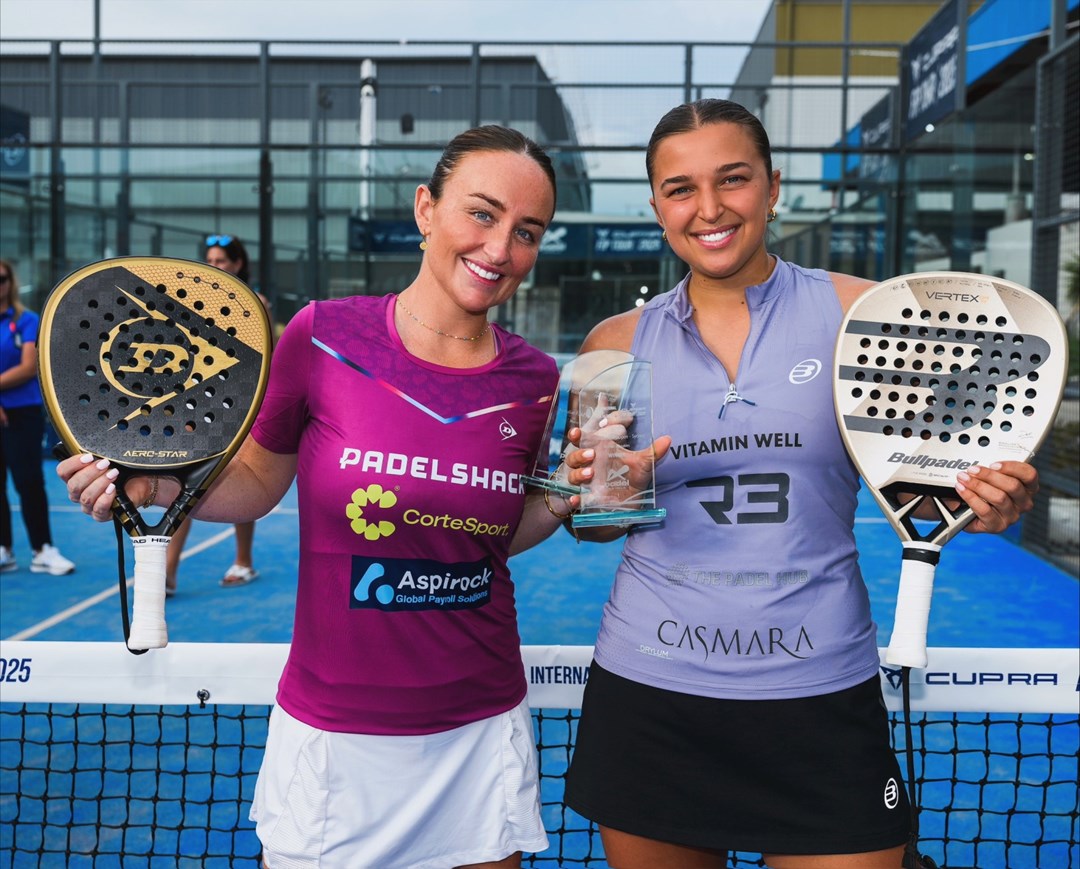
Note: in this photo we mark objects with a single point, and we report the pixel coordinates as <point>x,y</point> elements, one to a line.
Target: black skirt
<point>813,775</point>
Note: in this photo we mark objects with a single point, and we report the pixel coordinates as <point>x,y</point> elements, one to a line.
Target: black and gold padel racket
<point>933,373</point>
<point>159,366</point>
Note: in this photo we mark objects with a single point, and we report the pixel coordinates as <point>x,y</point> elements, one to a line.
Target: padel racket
<point>159,366</point>
<point>933,373</point>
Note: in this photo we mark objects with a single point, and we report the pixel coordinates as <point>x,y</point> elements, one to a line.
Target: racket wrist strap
<point>121,570</point>
<point>912,858</point>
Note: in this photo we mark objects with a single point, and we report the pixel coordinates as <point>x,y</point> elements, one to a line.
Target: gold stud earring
<point>663,235</point>
<point>771,216</point>
<point>423,244</point>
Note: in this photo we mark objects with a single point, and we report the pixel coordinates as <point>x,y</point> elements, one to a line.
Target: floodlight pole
<point>368,99</point>
<point>367,133</point>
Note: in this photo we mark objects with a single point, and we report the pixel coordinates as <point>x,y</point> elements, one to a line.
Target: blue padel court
<point>133,786</point>
<point>988,591</point>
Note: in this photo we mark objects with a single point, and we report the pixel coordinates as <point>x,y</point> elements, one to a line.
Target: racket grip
<point>907,646</point>
<point>148,630</point>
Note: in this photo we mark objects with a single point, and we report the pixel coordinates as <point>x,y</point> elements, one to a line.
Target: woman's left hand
<point>999,494</point>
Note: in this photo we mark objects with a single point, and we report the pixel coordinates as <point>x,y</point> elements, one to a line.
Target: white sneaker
<point>7,560</point>
<point>49,560</point>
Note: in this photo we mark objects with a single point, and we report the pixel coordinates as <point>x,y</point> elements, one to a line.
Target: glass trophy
<point>608,395</point>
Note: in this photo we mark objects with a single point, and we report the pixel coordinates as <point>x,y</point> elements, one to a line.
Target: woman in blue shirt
<point>22,427</point>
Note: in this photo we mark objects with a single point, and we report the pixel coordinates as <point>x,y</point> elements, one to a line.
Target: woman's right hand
<point>596,447</point>
<point>91,483</point>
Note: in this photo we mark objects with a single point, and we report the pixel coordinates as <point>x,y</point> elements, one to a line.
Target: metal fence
<point>1054,526</point>
<point>137,148</point>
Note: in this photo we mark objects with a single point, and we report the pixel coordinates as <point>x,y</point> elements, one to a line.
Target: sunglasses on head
<point>218,240</point>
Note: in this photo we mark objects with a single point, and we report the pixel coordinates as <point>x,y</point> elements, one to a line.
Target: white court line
<point>64,615</point>
<point>112,590</point>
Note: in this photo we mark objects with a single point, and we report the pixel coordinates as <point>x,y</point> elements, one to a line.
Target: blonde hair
<point>15,303</point>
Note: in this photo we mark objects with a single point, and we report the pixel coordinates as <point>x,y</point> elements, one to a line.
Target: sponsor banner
<point>931,68</point>
<point>955,680</point>
<point>556,675</point>
<point>54,672</point>
<point>383,236</point>
<point>983,680</point>
<point>876,131</point>
<point>14,146</point>
<point>561,241</point>
<point>602,241</point>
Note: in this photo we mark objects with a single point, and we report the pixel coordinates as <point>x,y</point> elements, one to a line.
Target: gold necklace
<point>483,331</point>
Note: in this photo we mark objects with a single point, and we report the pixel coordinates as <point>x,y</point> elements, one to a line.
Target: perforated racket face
<point>155,363</point>
<point>939,370</point>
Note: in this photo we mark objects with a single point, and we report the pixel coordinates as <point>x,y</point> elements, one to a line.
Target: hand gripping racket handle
<point>907,646</point>
<point>148,630</point>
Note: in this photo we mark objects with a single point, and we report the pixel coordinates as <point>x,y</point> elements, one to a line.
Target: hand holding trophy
<point>604,404</point>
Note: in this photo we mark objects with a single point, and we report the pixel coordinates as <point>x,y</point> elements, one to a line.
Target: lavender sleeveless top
<point>751,587</point>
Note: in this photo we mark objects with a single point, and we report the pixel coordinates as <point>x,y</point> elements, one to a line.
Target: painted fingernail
<point>960,487</point>
<point>963,476</point>
<point>602,423</point>
<point>102,465</point>
<point>996,466</point>
<point>110,489</point>
<point>589,454</point>
<point>975,469</point>
<point>113,474</point>
<point>86,458</point>
<point>586,472</point>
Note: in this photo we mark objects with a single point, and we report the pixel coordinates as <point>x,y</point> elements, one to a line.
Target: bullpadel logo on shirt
<point>396,584</point>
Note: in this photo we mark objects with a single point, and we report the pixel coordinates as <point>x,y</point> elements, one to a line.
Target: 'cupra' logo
<point>374,496</point>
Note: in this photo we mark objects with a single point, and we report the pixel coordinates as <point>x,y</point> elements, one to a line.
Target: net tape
<point>107,759</point>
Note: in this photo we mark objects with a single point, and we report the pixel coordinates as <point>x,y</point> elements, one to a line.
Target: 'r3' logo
<point>780,485</point>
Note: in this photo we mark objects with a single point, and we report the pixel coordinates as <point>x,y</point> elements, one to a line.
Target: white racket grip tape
<point>907,646</point>
<point>148,630</point>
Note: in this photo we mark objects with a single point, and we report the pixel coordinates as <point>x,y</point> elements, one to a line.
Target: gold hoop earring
<point>771,215</point>
<point>663,235</point>
<point>423,244</point>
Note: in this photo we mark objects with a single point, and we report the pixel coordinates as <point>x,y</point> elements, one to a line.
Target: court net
<point>109,759</point>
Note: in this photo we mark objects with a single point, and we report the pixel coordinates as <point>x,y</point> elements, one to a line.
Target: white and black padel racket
<point>933,373</point>
<point>159,366</point>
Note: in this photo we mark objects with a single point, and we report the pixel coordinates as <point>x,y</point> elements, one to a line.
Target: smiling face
<point>712,193</point>
<point>483,233</point>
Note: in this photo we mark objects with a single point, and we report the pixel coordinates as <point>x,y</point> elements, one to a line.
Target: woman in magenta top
<point>401,735</point>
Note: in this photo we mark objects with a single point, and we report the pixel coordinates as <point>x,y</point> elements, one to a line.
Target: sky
<point>473,20</point>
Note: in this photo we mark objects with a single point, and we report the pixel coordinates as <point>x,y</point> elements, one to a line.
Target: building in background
<point>287,152</point>
<point>906,133</point>
<point>912,136</point>
<point>936,164</point>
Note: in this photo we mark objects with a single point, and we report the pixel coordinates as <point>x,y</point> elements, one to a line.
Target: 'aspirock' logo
<point>374,496</point>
